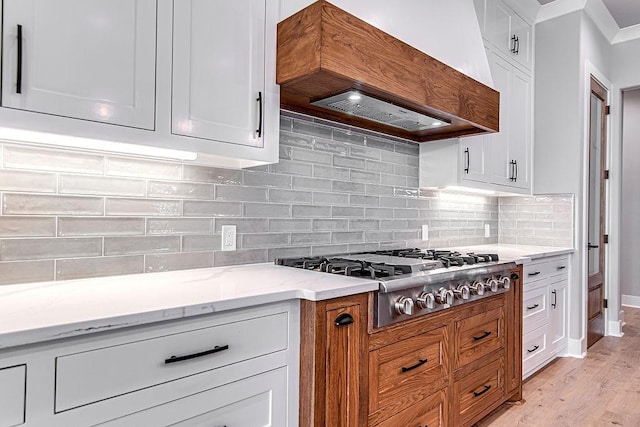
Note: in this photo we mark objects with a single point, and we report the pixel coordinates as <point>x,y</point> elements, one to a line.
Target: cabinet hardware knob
<point>259,130</point>
<point>412,367</point>
<point>562,267</point>
<point>590,246</point>
<point>515,276</point>
<point>19,62</point>
<point>481,392</point>
<point>343,320</point>
<point>175,359</point>
<point>483,336</point>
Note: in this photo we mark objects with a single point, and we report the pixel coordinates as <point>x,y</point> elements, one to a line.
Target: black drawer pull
<point>483,336</point>
<point>19,63</point>
<point>216,349</point>
<point>562,267</point>
<point>420,363</point>
<point>534,274</point>
<point>343,319</point>
<point>533,306</point>
<point>259,130</point>
<point>483,391</point>
<point>535,348</point>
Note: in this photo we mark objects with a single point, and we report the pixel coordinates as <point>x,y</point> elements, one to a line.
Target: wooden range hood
<point>324,51</point>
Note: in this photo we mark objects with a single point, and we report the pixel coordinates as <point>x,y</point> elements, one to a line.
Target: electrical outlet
<point>425,232</point>
<point>228,237</point>
<point>487,230</point>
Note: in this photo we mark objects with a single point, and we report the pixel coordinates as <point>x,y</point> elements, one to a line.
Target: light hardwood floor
<point>603,389</point>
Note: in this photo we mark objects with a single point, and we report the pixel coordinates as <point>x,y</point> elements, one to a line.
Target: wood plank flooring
<point>603,389</point>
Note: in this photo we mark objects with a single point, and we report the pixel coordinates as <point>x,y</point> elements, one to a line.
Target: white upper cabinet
<point>85,59</point>
<point>218,70</point>
<point>191,80</point>
<point>475,154</point>
<point>506,30</point>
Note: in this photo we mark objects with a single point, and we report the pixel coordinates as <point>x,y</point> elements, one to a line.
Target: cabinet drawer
<point>257,401</point>
<point>478,391</point>
<point>534,349</point>
<point>12,392</point>
<point>535,310</point>
<point>95,375</point>
<point>428,412</point>
<point>407,371</point>
<point>478,335</point>
<point>542,269</point>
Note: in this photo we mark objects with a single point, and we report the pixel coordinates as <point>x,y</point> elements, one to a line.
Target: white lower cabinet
<point>544,312</point>
<point>258,401</point>
<point>232,368</point>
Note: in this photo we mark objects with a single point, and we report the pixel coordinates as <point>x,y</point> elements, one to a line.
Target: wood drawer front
<point>535,309</point>
<point>545,268</point>
<point>478,335</point>
<point>478,391</point>
<point>534,349</point>
<point>12,392</point>
<point>407,371</point>
<point>95,375</point>
<point>431,412</point>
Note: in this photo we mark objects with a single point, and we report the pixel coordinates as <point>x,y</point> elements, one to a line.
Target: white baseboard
<point>615,329</point>
<point>631,301</point>
<point>574,348</point>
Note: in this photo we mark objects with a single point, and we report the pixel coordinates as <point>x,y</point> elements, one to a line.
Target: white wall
<point>629,243</point>
<point>444,29</point>
<point>567,47</point>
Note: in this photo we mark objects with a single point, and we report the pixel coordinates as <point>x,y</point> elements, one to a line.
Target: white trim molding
<point>577,348</point>
<point>631,301</point>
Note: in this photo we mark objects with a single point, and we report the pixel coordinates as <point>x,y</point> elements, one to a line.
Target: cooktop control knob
<point>404,305</point>
<point>463,291</point>
<point>477,288</point>
<point>426,300</point>
<point>491,285</point>
<point>504,282</point>
<point>444,296</point>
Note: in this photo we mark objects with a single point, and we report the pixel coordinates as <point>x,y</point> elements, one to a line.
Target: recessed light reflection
<point>355,97</point>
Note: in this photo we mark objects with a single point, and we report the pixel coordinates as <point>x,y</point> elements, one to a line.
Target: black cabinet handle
<point>513,43</point>
<point>533,306</point>
<point>466,168</point>
<point>590,246</point>
<point>483,336</point>
<point>517,45</point>
<point>483,391</point>
<point>562,267</point>
<point>533,349</point>
<point>417,365</point>
<point>515,276</point>
<point>534,274</point>
<point>511,171</point>
<point>216,349</point>
<point>259,130</point>
<point>19,64</point>
<point>343,320</point>
<point>555,298</point>
<point>515,162</point>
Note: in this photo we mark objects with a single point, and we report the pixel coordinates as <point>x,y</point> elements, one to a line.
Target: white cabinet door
<point>501,168</point>
<point>475,151</point>
<point>258,401</point>
<point>520,128</point>
<point>219,70</point>
<point>557,315</point>
<point>521,41</point>
<point>86,59</point>
<point>499,24</point>
<point>12,390</point>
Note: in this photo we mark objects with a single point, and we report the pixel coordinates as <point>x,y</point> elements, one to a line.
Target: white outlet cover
<point>425,232</point>
<point>228,237</point>
<point>487,230</point>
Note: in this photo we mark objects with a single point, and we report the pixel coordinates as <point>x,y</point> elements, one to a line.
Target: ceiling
<point>626,13</point>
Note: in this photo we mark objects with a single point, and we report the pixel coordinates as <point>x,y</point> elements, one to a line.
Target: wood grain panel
<point>431,412</point>
<point>477,392</point>
<point>478,335</point>
<point>323,51</point>
<point>405,372</point>
<point>513,337</point>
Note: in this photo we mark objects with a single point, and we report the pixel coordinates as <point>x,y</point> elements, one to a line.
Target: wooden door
<point>86,59</point>
<point>596,215</point>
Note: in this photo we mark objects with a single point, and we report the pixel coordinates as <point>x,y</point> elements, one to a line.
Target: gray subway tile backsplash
<point>336,189</point>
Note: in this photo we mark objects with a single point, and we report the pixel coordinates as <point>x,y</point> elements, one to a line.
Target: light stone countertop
<point>32,313</point>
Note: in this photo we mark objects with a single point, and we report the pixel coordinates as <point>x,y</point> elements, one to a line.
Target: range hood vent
<point>327,58</point>
<point>369,108</point>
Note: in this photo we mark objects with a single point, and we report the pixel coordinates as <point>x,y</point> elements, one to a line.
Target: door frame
<point>582,237</point>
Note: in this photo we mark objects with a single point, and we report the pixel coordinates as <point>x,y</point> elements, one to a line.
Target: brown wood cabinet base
<point>451,368</point>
